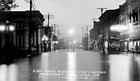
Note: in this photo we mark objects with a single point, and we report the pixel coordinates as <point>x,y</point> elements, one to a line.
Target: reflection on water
<point>8,72</point>
<point>71,66</point>
<point>12,72</point>
<point>44,64</point>
<point>135,68</point>
<point>3,72</point>
<point>119,67</point>
<point>79,67</point>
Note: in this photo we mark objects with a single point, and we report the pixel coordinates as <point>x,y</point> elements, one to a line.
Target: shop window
<point>135,43</point>
<point>130,45</point>
<point>138,43</point>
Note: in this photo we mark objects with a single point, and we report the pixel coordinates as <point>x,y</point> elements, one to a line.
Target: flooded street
<point>65,65</point>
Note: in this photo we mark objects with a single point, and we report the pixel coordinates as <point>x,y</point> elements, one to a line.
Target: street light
<point>45,38</point>
<point>11,28</point>
<point>71,31</point>
<point>45,41</point>
<point>7,28</point>
<point>74,41</point>
<point>2,27</point>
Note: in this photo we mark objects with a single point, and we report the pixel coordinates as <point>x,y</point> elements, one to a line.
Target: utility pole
<point>31,5</point>
<point>102,9</point>
<point>82,33</point>
<point>30,25</point>
<point>48,19</point>
<point>48,31</point>
<point>87,37</point>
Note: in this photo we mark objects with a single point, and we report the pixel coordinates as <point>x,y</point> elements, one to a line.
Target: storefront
<point>131,40</point>
<point>134,46</point>
<point>114,45</point>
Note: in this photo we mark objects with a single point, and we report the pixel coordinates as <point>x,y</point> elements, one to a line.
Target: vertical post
<point>87,39</point>
<point>49,33</point>
<point>30,25</point>
<point>30,5</point>
<point>82,35</point>
<point>48,19</point>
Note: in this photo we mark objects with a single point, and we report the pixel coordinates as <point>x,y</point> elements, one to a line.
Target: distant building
<point>19,38</point>
<point>101,32</point>
<point>94,33</point>
<point>85,43</point>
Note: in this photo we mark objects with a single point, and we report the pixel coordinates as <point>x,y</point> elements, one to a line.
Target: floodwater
<point>68,65</point>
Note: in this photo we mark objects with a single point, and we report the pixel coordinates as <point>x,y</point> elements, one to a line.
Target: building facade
<point>130,17</point>
<point>107,37</point>
<point>101,34</point>
<point>27,30</point>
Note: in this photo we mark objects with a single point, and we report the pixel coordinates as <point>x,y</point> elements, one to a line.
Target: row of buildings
<point>22,32</point>
<point>126,24</point>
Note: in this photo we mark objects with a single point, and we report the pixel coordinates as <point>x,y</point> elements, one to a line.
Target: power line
<point>34,5</point>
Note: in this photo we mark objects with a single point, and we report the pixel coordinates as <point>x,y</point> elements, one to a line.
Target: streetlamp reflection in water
<point>119,68</point>
<point>8,72</point>
<point>72,66</point>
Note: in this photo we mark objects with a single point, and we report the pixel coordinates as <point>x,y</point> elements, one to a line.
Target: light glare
<point>2,28</point>
<point>45,38</point>
<point>11,28</point>
<point>74,41</point>
<point>71,31</point>
<point>119,28</point>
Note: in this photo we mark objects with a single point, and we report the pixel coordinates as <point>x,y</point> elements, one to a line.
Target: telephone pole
<point>48,31</point>
<point>102,9</point>
<point>87,37</point>
<point>30,25</point>
<point>48,17</point>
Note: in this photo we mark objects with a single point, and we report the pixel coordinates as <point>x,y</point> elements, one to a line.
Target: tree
<point>7,5</point>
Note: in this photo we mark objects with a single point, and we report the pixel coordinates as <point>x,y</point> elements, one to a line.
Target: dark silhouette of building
<point>18,40</point>
<point>108,19</point>
<point>94,33</point>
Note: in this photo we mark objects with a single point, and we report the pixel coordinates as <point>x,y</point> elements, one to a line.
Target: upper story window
<point>133,15</point>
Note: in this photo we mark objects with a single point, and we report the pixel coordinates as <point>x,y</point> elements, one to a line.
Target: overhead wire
<point>33,4</point>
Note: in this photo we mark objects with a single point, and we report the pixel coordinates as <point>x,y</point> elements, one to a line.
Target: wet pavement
<point>69,65</point>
